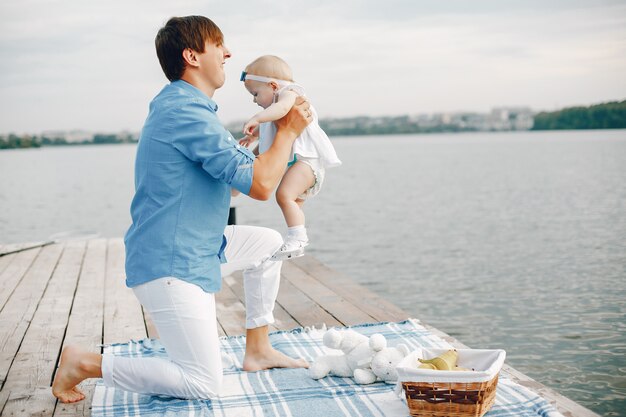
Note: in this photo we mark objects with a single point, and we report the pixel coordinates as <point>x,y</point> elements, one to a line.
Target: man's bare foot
<point>74,367</point>
<point>270,358</point>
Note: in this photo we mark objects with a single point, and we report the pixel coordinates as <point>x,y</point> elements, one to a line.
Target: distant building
<point>79,136</point>
<point>498,119</point>
<point>70,136</point>
<point>511,118</point>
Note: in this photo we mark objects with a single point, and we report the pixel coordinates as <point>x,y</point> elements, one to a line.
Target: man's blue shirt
<point>185,166</point>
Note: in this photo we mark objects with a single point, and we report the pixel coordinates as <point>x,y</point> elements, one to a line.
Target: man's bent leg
<point>249,249</point>
<point>184,316</point>
<point>75,366</point>
<point>261,355</point>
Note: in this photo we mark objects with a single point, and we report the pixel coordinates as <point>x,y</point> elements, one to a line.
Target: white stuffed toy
<point>358,351</point>
<point>385,361</point>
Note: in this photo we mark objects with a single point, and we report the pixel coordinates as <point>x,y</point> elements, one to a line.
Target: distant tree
<point>48,141</point>
<point>100,139</point>
<point>14,141</point>
<point>610,115</point>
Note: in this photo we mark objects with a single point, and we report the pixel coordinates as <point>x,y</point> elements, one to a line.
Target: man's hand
<point>269,167</point>
<point>298,117</point>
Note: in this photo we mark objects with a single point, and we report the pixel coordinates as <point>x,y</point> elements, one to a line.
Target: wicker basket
<point>450,399</point>
<point>431,393</point>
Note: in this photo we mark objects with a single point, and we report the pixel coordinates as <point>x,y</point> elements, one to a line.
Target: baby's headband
<point>245,76</point>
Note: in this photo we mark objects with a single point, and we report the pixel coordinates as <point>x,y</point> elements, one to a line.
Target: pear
<point>443,362</point>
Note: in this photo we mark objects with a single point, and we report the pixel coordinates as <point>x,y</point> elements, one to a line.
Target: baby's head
<point>270,66</point>
<point>273,71</point>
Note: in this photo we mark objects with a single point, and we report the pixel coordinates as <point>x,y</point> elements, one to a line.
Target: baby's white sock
<point>297,233</point>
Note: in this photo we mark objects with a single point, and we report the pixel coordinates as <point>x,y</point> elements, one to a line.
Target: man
<point>178,244</point>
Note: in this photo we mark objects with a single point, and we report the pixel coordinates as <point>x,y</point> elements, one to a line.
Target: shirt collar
<point>195,92</point>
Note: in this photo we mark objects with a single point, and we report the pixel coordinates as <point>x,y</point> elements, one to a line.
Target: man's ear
<point>274,85</point>
<point>190,57</point>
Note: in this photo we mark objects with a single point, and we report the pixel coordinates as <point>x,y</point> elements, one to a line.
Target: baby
<point>270,82</point>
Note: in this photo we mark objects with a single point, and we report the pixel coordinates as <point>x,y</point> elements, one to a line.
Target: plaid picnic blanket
<point>291,392</point>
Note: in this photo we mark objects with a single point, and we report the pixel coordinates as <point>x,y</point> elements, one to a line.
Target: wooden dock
<point>74,293</point>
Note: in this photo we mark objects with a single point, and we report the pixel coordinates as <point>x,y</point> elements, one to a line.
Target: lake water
<point>503,240</point>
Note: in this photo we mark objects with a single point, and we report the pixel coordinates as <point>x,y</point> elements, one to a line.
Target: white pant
<point>185,318</point>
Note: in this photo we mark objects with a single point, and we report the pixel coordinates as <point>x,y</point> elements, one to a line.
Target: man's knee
<point>204,388</point>
<point>274,238</point>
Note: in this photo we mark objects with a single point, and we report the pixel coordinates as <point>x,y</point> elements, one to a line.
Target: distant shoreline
<point>610,115</point>
<point>36,145</point>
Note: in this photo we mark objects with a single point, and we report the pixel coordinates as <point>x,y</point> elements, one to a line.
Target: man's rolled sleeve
<point>242,177</point>
<point>203,139</point>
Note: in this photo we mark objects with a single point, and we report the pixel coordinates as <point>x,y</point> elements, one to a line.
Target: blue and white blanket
<point>291,392</point>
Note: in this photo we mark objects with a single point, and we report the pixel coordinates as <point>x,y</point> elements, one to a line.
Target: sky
<point>91,65</point>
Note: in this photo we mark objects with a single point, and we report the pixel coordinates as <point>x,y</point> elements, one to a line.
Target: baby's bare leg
<point>296,181</point>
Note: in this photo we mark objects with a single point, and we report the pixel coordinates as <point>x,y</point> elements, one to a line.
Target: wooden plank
<point>85,323</point>
<point>20,308</point>
<point>565,406</point>
<point>283,320</point>
<point>5,260</point>
<point>299,306</point>
<point>150,327</point>
<point>220,330</point>
<point>31,372</point>
<point>21,408</point>
<point>306,311</point>
<point>343,310</point>
<point>366,300</point>
<point>231,313</point>
<point>13,248</point>
<point>86,319</point>
<point>123,318</point>
<point>4,397</point>
<point>14,272</point>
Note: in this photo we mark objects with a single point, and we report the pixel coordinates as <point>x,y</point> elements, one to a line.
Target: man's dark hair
<point>180,33</point>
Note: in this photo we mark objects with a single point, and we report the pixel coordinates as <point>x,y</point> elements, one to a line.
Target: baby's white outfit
<point>313,147</point>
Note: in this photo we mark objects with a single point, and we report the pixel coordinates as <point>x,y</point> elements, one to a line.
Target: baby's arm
<point>274,112</point>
